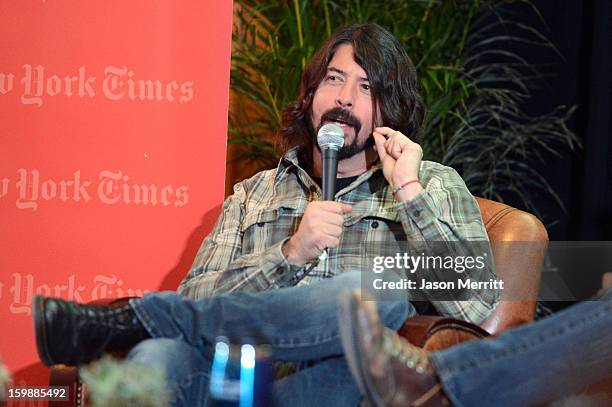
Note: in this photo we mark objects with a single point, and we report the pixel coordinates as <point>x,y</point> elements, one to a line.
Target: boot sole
<point>350,333</point>
<point>40,332</point>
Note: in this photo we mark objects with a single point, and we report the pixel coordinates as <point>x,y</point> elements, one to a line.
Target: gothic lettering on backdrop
<point>20,288</point>
<point>113,83</point>
<point>113,144</point>
<point>31,189</point>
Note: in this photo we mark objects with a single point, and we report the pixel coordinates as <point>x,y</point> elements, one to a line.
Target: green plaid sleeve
<point>221,267</point>
<point>447,212</point>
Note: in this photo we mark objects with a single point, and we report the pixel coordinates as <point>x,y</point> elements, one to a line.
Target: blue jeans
<point>536,363</point>
<point>298,323</point>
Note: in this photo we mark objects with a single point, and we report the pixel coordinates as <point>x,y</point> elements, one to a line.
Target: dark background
<point>581,76</point>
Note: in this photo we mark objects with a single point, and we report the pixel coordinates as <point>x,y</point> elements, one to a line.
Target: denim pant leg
<point>329,382</point>
<point>299,323</point>
<point>326,384</point>
<point>536,363</point>
<point>187,370</point>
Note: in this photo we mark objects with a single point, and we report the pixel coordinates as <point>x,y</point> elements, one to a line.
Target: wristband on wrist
<point>404,185</point>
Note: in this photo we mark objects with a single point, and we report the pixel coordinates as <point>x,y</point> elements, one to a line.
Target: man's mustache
<point>338,114</point>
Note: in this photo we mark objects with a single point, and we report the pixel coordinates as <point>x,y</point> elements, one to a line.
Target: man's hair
<point>392,77</point>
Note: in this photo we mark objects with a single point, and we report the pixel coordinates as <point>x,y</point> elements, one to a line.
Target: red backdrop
<point>113,137</point>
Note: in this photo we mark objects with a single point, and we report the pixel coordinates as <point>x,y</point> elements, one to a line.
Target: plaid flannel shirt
<point>243,251</point>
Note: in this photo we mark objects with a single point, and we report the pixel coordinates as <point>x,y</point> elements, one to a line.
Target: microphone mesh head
<point>330,136</point>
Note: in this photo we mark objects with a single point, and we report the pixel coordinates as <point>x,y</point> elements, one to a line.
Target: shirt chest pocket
<point>265,227</point>
<point>366,234</point>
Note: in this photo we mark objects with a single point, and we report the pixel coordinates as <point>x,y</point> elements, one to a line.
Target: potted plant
<point>118,383</point>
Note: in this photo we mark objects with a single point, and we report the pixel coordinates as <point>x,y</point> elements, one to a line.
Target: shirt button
<point>374,225</point>
<point>416,213</point>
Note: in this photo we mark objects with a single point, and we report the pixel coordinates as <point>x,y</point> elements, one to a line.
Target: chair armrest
<point>436,333</point>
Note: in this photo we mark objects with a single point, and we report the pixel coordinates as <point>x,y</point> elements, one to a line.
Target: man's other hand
<point>320,228</point>
<point>401,161</point>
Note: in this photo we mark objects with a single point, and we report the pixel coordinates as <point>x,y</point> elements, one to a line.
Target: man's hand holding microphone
<point>322,223</point>
<point>320,228</point>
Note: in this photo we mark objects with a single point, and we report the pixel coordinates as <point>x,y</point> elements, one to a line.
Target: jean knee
<point>393,314</point>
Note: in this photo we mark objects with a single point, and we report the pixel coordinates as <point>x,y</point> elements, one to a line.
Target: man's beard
<point>349,150</point>
<point>340,115</point>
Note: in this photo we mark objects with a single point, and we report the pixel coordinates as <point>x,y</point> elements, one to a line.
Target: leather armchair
<point>503,223</point>
<point>518,264</point>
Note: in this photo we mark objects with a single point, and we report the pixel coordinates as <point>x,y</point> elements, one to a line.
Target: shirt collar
<point>286,164</point>
<point>290,161</point>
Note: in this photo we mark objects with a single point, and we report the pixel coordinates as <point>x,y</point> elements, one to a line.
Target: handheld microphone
<point>330,139</point>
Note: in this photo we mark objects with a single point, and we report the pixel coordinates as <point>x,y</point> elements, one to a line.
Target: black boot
<point>73,334</point>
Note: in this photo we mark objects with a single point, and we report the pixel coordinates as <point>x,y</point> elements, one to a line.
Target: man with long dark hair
<point>259,273</point>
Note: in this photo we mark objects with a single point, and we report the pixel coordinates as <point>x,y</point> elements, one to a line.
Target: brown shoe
<point>389,370</point>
